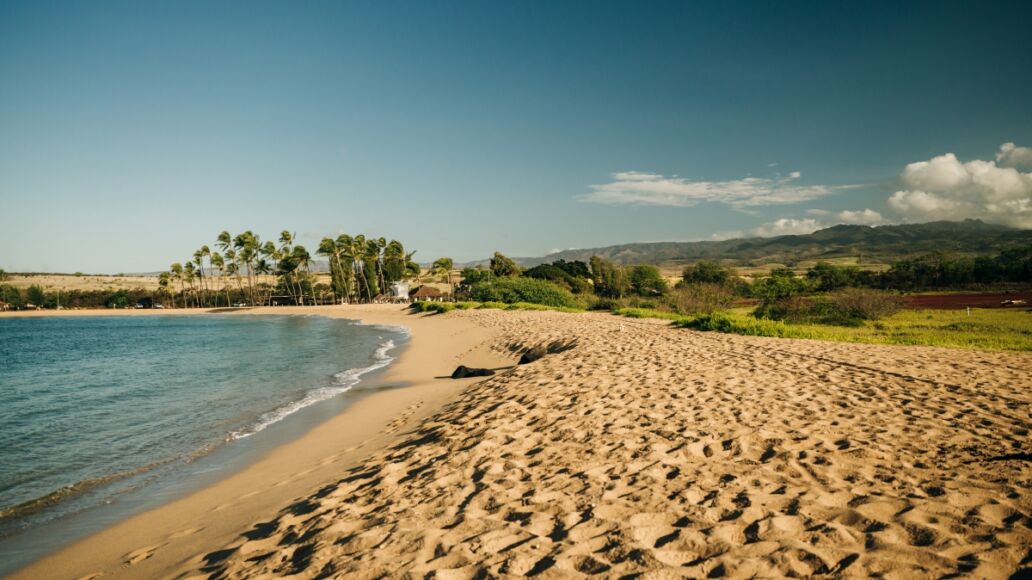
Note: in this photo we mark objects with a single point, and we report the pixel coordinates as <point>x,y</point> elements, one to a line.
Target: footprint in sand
<point>186,532</point>
<point>137,556</point>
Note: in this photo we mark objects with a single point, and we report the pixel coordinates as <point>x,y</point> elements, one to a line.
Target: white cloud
<point>945,188</point>
<point>785,226</point>
<point>1011,156</point>
<point>800,226</point>
<point>633,187</point>
<point>864,217</point>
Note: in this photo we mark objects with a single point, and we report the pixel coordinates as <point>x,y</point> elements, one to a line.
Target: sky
<point>131,133</point>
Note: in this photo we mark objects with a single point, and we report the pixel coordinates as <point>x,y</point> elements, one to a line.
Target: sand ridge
<point>670,453</point>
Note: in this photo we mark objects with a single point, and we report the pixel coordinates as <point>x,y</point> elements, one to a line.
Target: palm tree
<point>164,281</point>
<point>263,267</point>
<point>219,265</point>
<point>233,269</point>
<point>356,250</point>
<point>248,247</point>
<point>332,250</point>
<point>188,276</point>
<point>177,274</point>
<point>198,260</point>
<point>302,260</point>
<point>443,267</point>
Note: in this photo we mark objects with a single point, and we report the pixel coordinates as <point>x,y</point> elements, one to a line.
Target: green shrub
<point>561,277</point>
<point>847,307</point>
<point>604,304</point>
<point>866,304</point>
<point>707,272</point>
<point>643,303</point>
<point>700,298</point>
<point>646,280</point>
<point>511,290</point>
<point>493,305</point>
<point>721,322</point>
<point>438,307</point>
<point>466,305</point>
<point>527,306</point>
<point>647,313</point>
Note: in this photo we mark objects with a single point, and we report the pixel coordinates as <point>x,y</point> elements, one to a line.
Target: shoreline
<point>630,448</point>
<point>158,541</point>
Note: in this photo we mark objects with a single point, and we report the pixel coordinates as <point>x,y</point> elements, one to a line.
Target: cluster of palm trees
<point>361,270</point>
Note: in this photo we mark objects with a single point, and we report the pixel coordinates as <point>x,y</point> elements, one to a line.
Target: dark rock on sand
<point>532,355</point>
<point>463,371</point>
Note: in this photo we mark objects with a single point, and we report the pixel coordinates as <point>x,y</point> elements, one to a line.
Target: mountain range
<point>874,243</point>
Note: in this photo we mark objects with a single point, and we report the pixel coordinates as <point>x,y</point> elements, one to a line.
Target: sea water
<point>98,412</point>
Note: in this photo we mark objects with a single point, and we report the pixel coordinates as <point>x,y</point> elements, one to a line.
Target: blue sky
<point>132,133</point>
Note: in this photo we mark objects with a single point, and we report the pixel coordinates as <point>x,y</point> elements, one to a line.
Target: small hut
<point>426,294</point>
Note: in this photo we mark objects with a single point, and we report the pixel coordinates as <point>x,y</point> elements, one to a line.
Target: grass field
<point>986,329</point>
<point>989,329</point>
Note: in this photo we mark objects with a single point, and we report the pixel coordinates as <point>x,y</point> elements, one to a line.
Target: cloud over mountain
<point>946,188</point>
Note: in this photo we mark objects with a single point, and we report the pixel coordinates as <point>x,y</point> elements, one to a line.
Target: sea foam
<point>342,382</point>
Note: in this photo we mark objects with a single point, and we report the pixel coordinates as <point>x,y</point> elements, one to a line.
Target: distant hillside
<point>879,244</point>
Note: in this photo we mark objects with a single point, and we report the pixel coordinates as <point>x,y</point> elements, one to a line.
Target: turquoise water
<point>95,411</point>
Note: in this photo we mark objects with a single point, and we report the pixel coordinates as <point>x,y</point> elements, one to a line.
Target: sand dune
<point>647,449</point>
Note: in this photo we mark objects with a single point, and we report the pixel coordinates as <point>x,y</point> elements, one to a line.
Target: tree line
<point>707,286</point>
<point>243,269</point>
<point>239,269</point>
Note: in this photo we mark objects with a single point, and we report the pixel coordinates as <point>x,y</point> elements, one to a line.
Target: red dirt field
<point>958,301</point>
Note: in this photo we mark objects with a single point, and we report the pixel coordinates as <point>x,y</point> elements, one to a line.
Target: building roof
<point>425,292</point>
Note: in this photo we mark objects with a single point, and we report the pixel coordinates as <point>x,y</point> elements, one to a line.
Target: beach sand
<point>642,449</point>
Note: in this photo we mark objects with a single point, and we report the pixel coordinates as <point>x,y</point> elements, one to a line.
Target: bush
<point>720,322</point>
<point>647,313</point>
<point>781,284</point>
<point>788,309</point>
<point>466,305</point>
<point>866,304</point>
<point>643,303</point>
<point>647,281</point>
<point>493,305</point>
<point>702,298</point>
<point>609,280</point>
<point>438,307</point>
<point>555,274</point>
<point>512,290</point>
<point>848,307</point>
<point>604,304</point>
<point>527,306</point>
<point>503,266</point>
<point>706,272</point>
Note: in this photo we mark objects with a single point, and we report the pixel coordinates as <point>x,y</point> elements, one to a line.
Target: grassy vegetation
<point>647,313</point>
<point>443,307</point>
<point>989,329</point>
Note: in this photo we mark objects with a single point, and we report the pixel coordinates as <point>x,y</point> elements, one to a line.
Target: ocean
<point>104,416</point>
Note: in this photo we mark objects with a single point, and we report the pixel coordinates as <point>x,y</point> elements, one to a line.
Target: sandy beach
<point>640,450</point>
<point>158,542</point>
